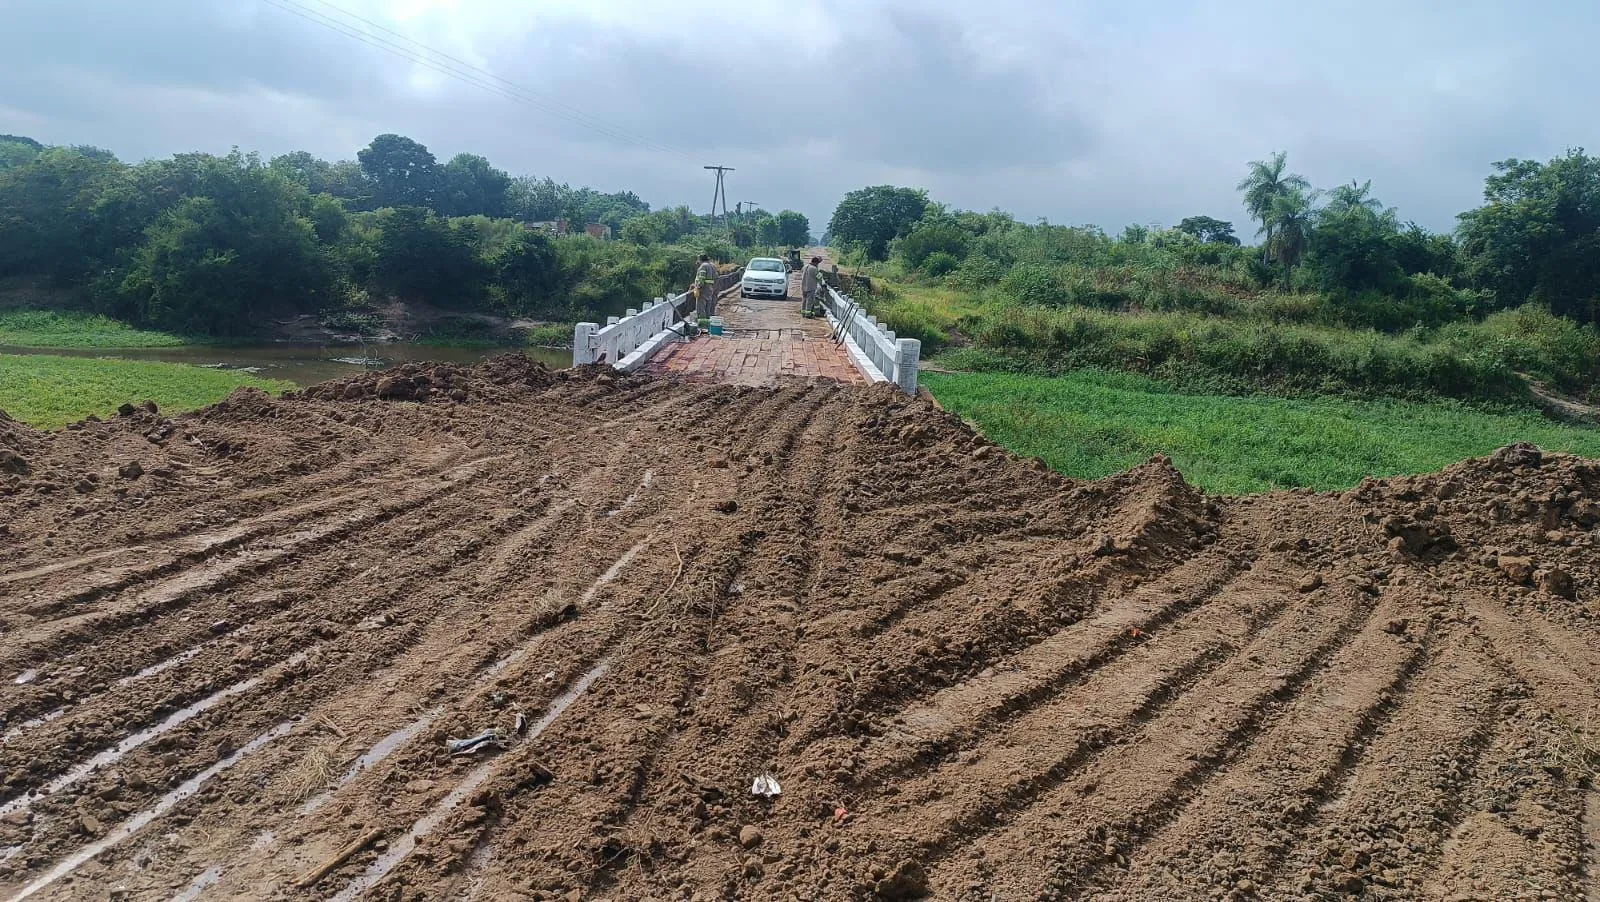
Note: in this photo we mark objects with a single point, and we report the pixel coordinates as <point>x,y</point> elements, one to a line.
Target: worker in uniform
<point>811,289</point>
<point>705,286</point>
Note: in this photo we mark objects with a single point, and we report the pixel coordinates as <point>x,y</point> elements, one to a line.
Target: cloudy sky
<point>1079,112</point>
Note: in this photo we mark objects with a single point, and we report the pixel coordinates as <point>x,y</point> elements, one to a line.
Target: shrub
<point>940,263</point>
<point>1033,283</point>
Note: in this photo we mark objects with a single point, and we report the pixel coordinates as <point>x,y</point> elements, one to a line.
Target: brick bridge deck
<point>762,339</point>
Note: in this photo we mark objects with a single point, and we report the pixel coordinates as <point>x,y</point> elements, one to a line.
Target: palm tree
<point>1266,183</point>
<point>1352,197</point>
<point>1290,221</point>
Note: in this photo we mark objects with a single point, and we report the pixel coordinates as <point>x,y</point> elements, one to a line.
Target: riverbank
<point>49,391</point>
<point>43,386</point>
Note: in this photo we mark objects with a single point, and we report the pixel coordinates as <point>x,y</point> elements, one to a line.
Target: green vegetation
<point>550,335</point>
<point>71,329</point>
<point>1339,297</point>
<point>49,392</point>
<point>1091,423</point>
<point>222,246</point>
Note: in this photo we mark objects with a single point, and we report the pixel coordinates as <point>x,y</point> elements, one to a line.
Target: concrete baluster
<point>908,353</point>
<point>583,343</point>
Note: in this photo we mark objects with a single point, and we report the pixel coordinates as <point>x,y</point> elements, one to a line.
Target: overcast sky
<point>1080,112</point>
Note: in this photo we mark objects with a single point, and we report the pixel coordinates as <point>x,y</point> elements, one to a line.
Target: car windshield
<point>766,265</point>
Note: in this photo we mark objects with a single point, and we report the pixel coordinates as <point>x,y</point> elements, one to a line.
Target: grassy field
<point>68,329</point>
<point>1092,423</point>
<point>1277,344</point>
<point>49,392</point>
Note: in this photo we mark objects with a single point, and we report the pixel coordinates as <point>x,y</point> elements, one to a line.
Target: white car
<point>765,277</point>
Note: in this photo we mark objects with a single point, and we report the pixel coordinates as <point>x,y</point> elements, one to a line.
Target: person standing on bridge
<point>705,286</point>
<point>811,289</point>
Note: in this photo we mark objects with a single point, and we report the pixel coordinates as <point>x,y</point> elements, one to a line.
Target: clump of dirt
<point>586,635</point>
<point>490,380</point>
<point>14,441</point>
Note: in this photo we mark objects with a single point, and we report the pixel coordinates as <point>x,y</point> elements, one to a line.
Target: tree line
<point>221,245</point>
<point>1535,239</point>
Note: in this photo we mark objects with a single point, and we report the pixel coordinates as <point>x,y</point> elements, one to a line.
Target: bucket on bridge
<point>716,325</point>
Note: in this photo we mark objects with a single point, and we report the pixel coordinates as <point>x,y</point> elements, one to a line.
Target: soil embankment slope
<point>236,644</point>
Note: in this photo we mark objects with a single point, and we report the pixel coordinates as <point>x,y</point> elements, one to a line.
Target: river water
<point>306,364</point>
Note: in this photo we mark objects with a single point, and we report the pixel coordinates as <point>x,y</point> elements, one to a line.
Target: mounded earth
<point>236,647</point>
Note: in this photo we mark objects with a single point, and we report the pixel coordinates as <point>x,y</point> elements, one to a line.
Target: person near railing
<point>811,289</point>
<point>705,278</point>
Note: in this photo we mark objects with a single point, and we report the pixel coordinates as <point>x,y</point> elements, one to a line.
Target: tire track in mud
<point>191,550</point>
<point>504,663</point>
<point>970,675</point>
<point>1136,784</point>
<point>198,628</point>
<point>1232,832</point>
<point>1363,835</point>
<point>768,612</point>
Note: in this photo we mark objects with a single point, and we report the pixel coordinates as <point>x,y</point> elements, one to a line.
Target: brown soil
<point>236,665</point>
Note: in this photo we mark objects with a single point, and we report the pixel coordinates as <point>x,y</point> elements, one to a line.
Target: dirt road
<point>237,644</point>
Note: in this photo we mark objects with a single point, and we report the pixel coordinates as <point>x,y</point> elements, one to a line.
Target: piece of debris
<point>332,864</point>
<point>471,746</point>
<point>27,676</point>
<point>521,725</point>
<point>750,836</point>
<point>907,881</point>
<point>766,786</point>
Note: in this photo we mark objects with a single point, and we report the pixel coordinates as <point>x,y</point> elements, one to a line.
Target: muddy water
<point>305,364</point>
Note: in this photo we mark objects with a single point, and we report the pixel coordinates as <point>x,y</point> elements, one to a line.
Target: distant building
<point>554,226</point>
<point>598,230</point>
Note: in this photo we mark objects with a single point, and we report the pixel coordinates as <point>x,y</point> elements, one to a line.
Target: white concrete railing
<point>622,339</point>
<point>628,342</point>
<point>873,348</point>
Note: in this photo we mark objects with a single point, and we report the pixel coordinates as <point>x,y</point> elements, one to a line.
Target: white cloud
<point>1134,111</point>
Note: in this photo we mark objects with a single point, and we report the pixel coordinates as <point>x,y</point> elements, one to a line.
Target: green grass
<point>550,335</point>
<point>1090,424</point>
<point>49,392</point>
<point>71,329</point>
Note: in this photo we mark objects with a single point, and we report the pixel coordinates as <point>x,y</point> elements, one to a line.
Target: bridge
<point>762,341</point>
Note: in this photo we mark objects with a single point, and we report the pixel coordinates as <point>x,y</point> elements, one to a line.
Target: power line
<point>546,98</point>
<point>329,22</point>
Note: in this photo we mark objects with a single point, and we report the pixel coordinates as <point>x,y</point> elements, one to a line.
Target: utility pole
<point>751,207</point>
<point>720,194</point>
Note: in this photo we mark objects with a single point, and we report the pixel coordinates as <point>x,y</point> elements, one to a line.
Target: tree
<point>767,230</point>
<point>1133,233</point>
<point>61,214</point>
<point>644,230</point>
<point>875,216</point>
<point>470,185</point>
<point>536,200</point>
<point>223,264</point>
<point>1208,230</point>
<point>402,172</point>
<point>526,271</point>
<point>1266,183</point>
<point>794,229</point>
<point>1352,246</point>
<point>1289,221</point>
<point>421,257</point>
<point>932,236</point>
<point>1419,251</point>
<point>1537,234</point>
<point>14,153</point>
